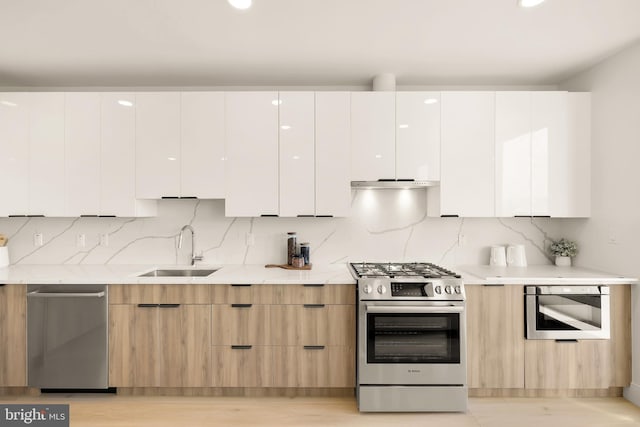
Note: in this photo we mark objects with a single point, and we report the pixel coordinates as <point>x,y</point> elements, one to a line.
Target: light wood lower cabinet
<point>495,336</point>
<point>585,364</point>
<point>242,366</point>
<point>159,345</point>
<point>13,336</point>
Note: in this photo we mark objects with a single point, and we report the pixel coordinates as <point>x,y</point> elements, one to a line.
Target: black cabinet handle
<point>89,216</point>
<point>36,216</point>
<point>306,216</point>
<point>542,216</point>
<point>495,285</point>
<point>522,216</point>
<point>324,216</point>
<point>314,347</point>
<point>241,284</point>
<point>17,216</point>
<point>450,216</point>
<point>148,305</point>
<point>170,197</point>
<point>269,215</point>
<point>2,284</point>
<point>241,305</point>
<point>313,306</point>
<point>168,305</point>
<point>189,197</point>
<point>567,341</point>
<point>313,285</point>
<point>241,347</point>
<point>106,216</point>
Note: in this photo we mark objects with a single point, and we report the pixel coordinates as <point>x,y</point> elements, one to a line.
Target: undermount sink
<point>178,273</point>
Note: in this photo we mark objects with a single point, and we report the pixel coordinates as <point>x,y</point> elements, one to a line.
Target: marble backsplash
<point>385,225</point>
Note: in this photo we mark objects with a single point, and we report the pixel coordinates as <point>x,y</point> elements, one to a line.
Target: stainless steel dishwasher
<point>67,338</point>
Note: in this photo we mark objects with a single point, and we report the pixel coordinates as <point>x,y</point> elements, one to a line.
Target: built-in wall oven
<point>411,342</point>
<point>567,312</point>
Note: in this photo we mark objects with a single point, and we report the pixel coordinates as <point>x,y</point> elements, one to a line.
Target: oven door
<point>406,343</point>
<point>563,314</point>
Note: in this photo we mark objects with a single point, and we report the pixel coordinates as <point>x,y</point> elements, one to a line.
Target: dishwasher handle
<point>39,294</point>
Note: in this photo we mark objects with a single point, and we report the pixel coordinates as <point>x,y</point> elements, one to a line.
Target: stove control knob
<point>458,290</point>
<point>367,289</point>
<point>438,290</point>
<point>447,289</point>
<point>382,289</point>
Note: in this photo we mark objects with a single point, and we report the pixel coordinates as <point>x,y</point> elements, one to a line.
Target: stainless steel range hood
<point>394,184</point>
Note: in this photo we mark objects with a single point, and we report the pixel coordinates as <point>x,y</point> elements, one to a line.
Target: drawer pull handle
<point>169,305</point>
<point>314,347</point>
<point>241,305</point>
<point>313,285</point>
<point>148,305</point>
<point>314,306</point>
<point>241,347</point>
<point>241,284</point>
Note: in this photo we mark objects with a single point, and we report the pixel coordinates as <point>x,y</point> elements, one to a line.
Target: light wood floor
<point>120,411</point>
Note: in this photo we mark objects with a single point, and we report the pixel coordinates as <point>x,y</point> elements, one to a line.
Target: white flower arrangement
<point>563,247</point>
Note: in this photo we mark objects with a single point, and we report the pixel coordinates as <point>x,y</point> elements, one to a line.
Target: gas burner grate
<point>401,269</point>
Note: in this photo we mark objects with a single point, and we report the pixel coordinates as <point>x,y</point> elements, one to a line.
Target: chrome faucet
<point>194,257</point>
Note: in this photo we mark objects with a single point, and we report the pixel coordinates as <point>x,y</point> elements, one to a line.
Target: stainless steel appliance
<point>411,338</point>
<point>567,312</point>
<point>67,341</point>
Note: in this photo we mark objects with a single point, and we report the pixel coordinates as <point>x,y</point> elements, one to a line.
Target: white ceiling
<point>306,42</point>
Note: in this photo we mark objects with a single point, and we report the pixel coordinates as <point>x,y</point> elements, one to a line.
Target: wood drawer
<point>309,366</point>
<point>284,294</point>
<point>312,324</point>
<point>237,324</point>
<point>242,366</point>
<point>159,294</point>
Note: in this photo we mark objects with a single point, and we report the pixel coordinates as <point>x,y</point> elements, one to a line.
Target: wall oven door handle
<point>66,294</point>
<point>414,309</point>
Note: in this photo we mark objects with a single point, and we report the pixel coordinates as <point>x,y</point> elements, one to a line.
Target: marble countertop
<point>545,274</point>
<point>128,274</point>
<point>258,274</point>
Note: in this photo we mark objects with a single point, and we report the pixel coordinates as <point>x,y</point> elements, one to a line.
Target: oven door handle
<point>414,309</point>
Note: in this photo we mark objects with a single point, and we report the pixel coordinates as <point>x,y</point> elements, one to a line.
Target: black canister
<point>291,246</point>
<point>304,252</point>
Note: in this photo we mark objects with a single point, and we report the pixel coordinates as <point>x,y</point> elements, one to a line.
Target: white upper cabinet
<point>467,156</point>
<point>297,156</point>
<point>46,154</point>
<point>577,171</point>
<point>333,160</point>
<point>513,154</point>
<point>202,145</point>
<point>251,121</point>
<point>418,135</point>
<point>82,153</point>
<point>157,145</point>
<point>373,135</point>
<point>117,158</point>
<point>14,153</point>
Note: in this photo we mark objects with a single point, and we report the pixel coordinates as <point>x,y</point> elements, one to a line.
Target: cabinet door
<point>373,153</point>
<point>333,153</point>
<point>313,366</point>
<point>418,135</point>
<point>573,198</point>
<point>467,161</point>
<point>13,336</point>
<point>157,145</point>
<point>329,325</point>
<point>513,153</point>
<point>202,145</point>
<point>297,156</point>
<point>241,324</point>
<point>550,154</point>
<point>495,336</point>
<point>184,354</point>
<point>252,146</point>
<point>134,343</point>
<point>82,153</point>
<point>14,153</point>
<point>242,366</point>
<point>46,154</point>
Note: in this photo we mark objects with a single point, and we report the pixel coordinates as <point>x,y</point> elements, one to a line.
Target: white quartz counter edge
<point>539,275</point>
<point>128,274</point>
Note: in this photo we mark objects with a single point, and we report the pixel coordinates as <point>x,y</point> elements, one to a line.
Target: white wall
<point>386,225</point>
<point>609,239</point>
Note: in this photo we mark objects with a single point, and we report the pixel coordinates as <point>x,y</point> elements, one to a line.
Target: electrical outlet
<point>250,239</point>
<point>104,239</point>
<point>38,239</point>
<point>81,240</point>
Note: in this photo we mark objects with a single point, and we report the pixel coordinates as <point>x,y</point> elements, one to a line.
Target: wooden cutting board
<point>288,267</point>
<point>3,240</point>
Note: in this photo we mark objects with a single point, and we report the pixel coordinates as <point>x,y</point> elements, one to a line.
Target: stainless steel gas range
<point>411,338</point>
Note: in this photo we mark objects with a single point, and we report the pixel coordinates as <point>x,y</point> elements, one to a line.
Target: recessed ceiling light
<point>529,3</point>
<point>9,103</point>
<point>125,103</point>
<point>430,101</point>
<point>240,4</point>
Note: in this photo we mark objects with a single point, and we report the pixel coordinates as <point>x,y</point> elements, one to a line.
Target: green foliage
<point>563,247</point>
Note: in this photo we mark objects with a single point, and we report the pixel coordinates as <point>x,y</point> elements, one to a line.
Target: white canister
<point>516,256</point>
<point>4,256</point>
<point>498,256</point>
